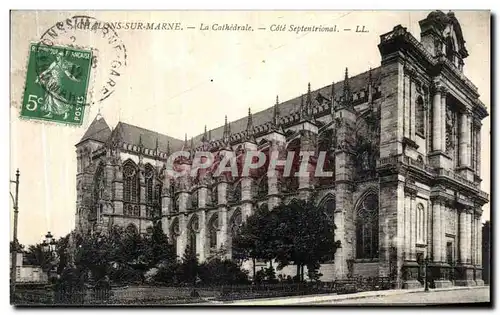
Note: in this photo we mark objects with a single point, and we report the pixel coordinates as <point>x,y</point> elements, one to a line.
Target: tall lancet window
<point>149,177</point>
<point>367,228</point>
<point>131,189</point>
<point>99,187</point>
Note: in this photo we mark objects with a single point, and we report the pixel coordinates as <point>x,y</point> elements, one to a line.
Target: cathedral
<point>403,142</point>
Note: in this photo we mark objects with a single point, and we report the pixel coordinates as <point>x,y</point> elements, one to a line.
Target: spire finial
<point>276,113</point>
<point>140,140</point>
<point>347,88</point>
<point>185,140</point>
<point>168,147</point>
<point>309,97</point>
<point>249,121</point>
<point>370,86</point>
<point>204,138</point>
<point>156,144</point>
<point>227,130</point>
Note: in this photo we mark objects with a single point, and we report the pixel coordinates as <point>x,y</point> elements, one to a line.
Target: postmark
<point>57,83</point>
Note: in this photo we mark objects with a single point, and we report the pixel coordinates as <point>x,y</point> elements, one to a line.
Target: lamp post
<point>13,270</point>
<point>49,246</point>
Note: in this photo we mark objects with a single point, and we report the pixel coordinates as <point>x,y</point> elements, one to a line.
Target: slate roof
<point>131,134</point>
<point>356,83</point>
<point>98,130</point>
<point>134,135</point>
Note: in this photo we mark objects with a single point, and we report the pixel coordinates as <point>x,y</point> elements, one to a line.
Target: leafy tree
<point>20,247</point>
<point>256,237</point>
<point>298,233</point>
<point>188,271</point>
<point>157,248</point>
<point>305,236</point>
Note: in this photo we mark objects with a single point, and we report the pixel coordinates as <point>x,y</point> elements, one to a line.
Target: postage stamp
<point>57,82</point>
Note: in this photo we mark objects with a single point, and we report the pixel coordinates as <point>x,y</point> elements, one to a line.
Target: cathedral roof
<point>98,130</point>
<point>136,135</point>
<point>357,83</point>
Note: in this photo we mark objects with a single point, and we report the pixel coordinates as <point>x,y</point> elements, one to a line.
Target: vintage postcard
<point>250,157</point>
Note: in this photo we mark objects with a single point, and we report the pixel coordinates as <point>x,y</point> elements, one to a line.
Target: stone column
<point>246,198</point>
<point>406,104</point>
<point>478,149</point>
<point>462,236</point>
<point>444,91</point>
<point>442,230</point>
<point>413,228</point>
<point>480,239</point>
<point>202,236</point>
<point>469,236</point>
<point>473,240</point>
<point>408,221</point>
<point>436,230</point>
<point>224,228</point>
<point>340,260</point>
<point>469,138</point>
<point>436,120</point>
<point>182,239</point>
<point>463,140</point>
<point>412,105</point>
<point>202,197</point>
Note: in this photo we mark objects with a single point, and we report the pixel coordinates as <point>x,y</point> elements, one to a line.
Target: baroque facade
<point>403,143</point>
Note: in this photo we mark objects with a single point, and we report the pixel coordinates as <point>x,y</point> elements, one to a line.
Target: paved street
<point>420,298</point>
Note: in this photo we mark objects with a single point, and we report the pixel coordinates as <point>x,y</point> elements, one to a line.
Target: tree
<point>298,233</point>
<point>188,271</point>
<point>157,248</point>
<point>255,237</point>
<point>305,236</point>
<point>218,271</point>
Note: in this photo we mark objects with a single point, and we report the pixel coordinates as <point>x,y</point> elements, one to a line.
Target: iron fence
<point>162,295</point>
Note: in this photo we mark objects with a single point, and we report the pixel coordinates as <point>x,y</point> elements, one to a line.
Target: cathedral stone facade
<point>403,141</point>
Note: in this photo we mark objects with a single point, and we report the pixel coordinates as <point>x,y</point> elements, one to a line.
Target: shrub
<point>219,271</point>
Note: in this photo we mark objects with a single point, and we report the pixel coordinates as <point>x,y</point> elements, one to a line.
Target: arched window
<point>235,222</point>
<point>99,186</point>
<point>149,178</point>
<point>367,228</point>
<point>193,229</point>
<point>328,206</point>
<point>420,228</point>
<point>213,226</point>
<point>420,117</point>
<point>130,183</point>
<point>174,233</point>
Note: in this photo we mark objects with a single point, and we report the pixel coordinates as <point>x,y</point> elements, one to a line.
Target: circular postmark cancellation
<point>76,63</point>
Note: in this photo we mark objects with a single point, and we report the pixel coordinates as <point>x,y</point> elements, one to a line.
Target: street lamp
<point>15,202</point>
<point>49,246</point>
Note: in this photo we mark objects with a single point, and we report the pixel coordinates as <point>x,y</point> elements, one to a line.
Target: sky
<point>178,82</point>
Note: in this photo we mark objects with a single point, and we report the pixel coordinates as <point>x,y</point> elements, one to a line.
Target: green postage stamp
<point>57,83</point>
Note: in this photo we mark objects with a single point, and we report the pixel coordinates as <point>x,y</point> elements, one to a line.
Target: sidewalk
<point>298,300</point>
